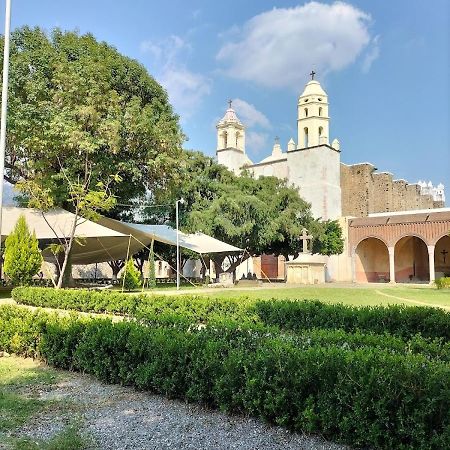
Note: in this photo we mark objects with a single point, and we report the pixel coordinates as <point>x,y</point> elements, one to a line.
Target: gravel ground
<point>123,418</point>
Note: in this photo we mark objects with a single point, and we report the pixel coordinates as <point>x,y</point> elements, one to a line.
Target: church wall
<point>277,169</point>
<point>365,191</point>
<point>231,158</point>
<point>316,171</point>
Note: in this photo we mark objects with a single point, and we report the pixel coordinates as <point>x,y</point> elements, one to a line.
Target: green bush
<point>395,319</point>
<point>443,283</point>
<point>131,278</point>
<point>23,258</point>
<point>367,397</point>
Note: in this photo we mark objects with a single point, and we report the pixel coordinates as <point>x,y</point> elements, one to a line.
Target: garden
<point>369,376</point>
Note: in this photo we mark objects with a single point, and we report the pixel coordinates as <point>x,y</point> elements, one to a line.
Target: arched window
<point>320,111</point>
<point>306,138</point>
<point>225,139</point>
<point>320,131</point>
<point>237,139</point>
<point>306,112</point>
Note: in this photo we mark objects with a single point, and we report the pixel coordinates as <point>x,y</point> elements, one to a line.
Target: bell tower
<point>231,141</point>
<point>312,118</point>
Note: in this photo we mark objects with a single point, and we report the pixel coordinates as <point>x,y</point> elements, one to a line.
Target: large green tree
<point>262,215</point>
<point>86,127</point>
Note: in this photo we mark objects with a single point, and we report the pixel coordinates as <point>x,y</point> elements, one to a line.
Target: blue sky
<point>384,64</point>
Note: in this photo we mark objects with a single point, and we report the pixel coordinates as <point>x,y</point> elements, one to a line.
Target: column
<point>391,251</point>
<point>354,265</point>
<point>431,263</point>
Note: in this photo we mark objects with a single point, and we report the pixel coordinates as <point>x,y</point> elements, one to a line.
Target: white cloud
<point>256,142</point>
<point>371,55</point>
<point>249,115</point>
<point>186,88</point>
<point>279,47</point>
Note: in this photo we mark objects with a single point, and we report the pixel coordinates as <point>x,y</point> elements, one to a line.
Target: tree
<point>131,277</point>
<point>328,238</point>
<point>262,215</point>
<point>86,126</point>
<point>23,258</point>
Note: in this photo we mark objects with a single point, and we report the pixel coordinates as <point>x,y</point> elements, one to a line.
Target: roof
<point>230,116</point>
<point>313,87</point>
<point>95,242</point>
<point>196,242</point>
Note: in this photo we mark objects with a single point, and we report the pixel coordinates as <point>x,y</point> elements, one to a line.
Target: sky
<point>384,64</point>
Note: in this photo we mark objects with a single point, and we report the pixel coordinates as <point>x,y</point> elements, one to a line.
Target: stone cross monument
<point>305,237</point>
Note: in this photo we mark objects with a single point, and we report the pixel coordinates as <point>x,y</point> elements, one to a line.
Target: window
<point>320,111</point>
<point>306,112</point>
<point>305,135</point>
<point>319,99</point>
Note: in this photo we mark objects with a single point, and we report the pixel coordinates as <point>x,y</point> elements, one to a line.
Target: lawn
<point>355,295</point>
<point>21,382</point>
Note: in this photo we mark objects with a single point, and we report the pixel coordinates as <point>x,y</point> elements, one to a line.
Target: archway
<point>442,257</point>
<point>371,261</point>
<point>411,260</point>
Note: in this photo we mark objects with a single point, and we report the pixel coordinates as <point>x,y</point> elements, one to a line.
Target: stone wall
<point>366,191</point>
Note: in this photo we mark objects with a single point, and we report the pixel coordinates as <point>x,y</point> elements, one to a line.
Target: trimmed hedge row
<point>399,320</point>
<point>365,397</point>
<point>287,314</point>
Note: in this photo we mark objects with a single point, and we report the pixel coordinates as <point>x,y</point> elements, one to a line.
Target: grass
<point>21,380</point>
<point>356,295</point>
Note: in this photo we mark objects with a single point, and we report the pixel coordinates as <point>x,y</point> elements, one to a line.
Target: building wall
<point>366,191</point>
<point>277,169</point>
<point>316,171</point>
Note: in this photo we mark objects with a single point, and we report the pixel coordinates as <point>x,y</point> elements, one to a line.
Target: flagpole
<point>4,110</point>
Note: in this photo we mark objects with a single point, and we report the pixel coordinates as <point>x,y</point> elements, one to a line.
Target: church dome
<point>313,87</point>
<point>230,117</point>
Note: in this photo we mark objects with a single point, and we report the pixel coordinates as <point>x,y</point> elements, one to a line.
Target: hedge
<point>291,315</point>
<point>443,283</point>
<point>405,321</point>
<point>365,397</point>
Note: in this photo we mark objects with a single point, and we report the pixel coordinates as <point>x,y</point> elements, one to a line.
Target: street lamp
<point>180,201</point>
<point>4,110</point>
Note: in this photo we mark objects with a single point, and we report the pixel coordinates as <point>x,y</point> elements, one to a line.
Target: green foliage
<point>22,256</point>
<point>443,283</point>
<point>131,278</point>
<point>365,396</point>
<point>289,315</point>
<point>328,238</point>
<point>74,102</point>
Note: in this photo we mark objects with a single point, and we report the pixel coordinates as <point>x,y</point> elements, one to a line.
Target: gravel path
<point>123,418</point>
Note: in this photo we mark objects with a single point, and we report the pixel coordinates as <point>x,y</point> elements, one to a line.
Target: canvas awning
<point>94,243</point>
<point>197,242</point>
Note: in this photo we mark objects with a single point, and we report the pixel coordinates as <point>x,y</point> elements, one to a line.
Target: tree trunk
<point>67,250</point>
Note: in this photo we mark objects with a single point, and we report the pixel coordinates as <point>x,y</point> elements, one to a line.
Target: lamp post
<point>3,112</point>
<point>180,201</point>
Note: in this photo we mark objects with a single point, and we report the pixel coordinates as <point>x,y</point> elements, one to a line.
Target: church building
<point>355,194</point>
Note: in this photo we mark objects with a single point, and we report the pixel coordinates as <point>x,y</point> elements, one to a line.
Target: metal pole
<point>4,111</point>
<point>178,246</point>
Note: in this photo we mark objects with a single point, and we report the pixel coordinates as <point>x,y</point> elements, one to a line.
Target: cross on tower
<point>230,102</point>
<point>444,254</point>
<point>305,238</point>
<point>312,74</point>
<point>277,139</point>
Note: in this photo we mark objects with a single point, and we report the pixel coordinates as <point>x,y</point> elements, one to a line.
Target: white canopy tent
<point>197,242</point>
<point>94,242</point>
<point>105,240</point>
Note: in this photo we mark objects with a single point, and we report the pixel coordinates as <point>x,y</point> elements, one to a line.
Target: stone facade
<point>366,191</point>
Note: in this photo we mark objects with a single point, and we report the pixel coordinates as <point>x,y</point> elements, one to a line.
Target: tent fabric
<point>95,243</point>
<point>197,242</point>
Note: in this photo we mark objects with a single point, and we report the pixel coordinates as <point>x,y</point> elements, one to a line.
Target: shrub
<point>23,258</point>
<point>395,319</point>
<point>365,397</point>
<point>131,277</point>
<point>443,283</point>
